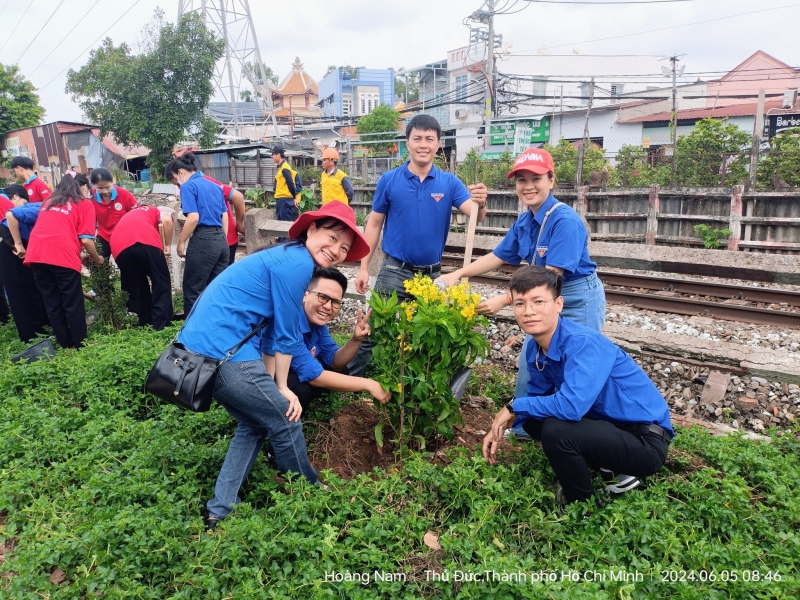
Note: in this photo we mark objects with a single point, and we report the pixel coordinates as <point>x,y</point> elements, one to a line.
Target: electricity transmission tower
<point>233,22</point>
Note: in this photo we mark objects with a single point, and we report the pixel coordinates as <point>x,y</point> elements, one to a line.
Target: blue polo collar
<point>525,239</point>
<point>409,175</point>
<point>546,205</point>
<point>304,326</point>
<point>554,350</point>
<point>32,177</point>
<point>113,195</point>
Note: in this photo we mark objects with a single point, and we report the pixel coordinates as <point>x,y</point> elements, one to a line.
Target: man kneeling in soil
<point>323,366</point>
<point>588,402</point>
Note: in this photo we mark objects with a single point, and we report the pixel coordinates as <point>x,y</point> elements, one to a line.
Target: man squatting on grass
<point>588,402</point>
<point>321,365</point>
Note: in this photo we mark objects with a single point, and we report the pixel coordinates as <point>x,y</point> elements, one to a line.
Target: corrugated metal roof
<point>68,127</point>
<point>124,151</point>
<point>165,188</point>
<point>716,112</point>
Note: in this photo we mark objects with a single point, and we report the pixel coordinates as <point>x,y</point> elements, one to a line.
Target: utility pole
<point>758,130</point>
<point>582,149</point>
<point>489,108</point>
<point>674,72</point>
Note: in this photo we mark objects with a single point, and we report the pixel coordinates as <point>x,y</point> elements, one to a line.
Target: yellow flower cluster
<point>422,288</point>
<point>461,297</point>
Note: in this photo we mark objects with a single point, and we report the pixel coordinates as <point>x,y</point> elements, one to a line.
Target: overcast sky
<point>382,34</point>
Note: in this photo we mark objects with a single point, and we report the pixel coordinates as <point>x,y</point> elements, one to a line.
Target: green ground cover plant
<point>101,487</point>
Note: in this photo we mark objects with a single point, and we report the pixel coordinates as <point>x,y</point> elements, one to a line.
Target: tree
<point>633,169</point>
<point>19,105</point>
<point>251,95</point>
<point>380,124</point>
<point>353,71</point>
<point>400,87</point>
<point>155,98</point>
<point>714,153</point>
<point>782,161</point>
<point>565,157</point>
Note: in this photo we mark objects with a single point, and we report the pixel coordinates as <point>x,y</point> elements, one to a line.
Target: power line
<point>38,33</point>
<point>752,12</point>
<point>69,33</point>
<point>90,45</point>
<point>584,2</point>
<point>2,10</point>
<point>13,31</point>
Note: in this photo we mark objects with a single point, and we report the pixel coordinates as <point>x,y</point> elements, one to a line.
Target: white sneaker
<point>517,432</point>
<point>619,483</point>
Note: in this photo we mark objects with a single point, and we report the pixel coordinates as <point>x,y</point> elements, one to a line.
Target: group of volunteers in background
<point>590,405</point>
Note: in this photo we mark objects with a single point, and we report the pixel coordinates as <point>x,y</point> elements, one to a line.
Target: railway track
<point>662,293</point>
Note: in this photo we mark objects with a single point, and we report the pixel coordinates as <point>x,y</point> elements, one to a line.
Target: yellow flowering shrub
<point>421,345</point>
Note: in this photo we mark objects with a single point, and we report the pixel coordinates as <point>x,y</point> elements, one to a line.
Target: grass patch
<point>106,484</point>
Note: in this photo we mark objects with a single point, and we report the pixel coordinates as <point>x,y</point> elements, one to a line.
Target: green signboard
<point>506,132</point>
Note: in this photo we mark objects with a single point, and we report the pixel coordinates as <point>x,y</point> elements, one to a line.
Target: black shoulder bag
<point>186,378</point>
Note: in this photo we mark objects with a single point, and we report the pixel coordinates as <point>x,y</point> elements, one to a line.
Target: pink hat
<point>534,160</point>
<point>341,212</point>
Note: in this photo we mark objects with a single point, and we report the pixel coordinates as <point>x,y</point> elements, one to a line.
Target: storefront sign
<point>534,131</point>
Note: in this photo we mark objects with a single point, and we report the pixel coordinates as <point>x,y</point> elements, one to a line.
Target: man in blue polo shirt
<point>322,364</point>
<point>588,402</point>
<point>413,207</point>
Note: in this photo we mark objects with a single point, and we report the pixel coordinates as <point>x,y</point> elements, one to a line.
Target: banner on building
<point>517,135</point>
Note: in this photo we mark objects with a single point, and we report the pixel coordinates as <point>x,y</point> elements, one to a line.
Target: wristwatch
<point>510,405</point>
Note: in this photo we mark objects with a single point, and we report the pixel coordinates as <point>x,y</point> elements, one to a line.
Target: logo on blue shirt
<point>437,197</point>
<point>541,250</point>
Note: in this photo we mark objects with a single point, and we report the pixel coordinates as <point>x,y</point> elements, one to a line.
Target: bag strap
<point>544,221</point>
<point>236,348</point>
<point>233,350</point>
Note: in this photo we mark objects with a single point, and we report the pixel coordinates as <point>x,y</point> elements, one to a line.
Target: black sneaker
<point>210,522</point>
<point>619,483</point>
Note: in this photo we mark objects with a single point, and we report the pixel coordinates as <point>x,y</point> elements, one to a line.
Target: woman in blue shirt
<point>549,234</point>
<point>203,204</point>
<point>266,287</point>
<point>24,297</point>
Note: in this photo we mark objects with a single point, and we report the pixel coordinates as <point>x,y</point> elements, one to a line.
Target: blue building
<point>343,97</point>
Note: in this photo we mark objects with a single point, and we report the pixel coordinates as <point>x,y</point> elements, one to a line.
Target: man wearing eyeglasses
<point>588,402</point>
<point>323,366</point>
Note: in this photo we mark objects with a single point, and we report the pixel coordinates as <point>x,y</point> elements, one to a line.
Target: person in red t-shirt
<point>234,199</point>
<point>22,167</point>
<point>65,223</point>
<point>139,251</point>
<point>5,206</point>
<point>111,203</point>
<point>24,298</point>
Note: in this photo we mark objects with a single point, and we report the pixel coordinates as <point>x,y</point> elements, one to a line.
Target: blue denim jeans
<point>584,303</point>
<point>390,279</point>
<point>249,394</point>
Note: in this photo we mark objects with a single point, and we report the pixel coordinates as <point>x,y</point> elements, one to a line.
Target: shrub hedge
<point>107,485</point>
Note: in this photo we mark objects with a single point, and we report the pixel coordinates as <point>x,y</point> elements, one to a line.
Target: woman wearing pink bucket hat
<point>266,288</point>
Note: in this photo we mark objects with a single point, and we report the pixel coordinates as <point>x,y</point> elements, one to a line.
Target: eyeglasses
<point>323,299</point>
<point>537,305</point>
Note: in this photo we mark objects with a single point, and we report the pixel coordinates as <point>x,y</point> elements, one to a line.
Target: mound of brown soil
<point>347,443</point>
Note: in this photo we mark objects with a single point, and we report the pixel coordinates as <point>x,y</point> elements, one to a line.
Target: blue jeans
<point>249,394</point>
<point>584,303</point>
<point>390,279</point>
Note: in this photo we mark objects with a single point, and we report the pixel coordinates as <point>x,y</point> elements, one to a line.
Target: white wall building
<point>539,86</point>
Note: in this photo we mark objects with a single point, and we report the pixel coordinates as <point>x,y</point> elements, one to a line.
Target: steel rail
<point>675,304</point>
<point>714,310</point>
<point>700,288</point>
